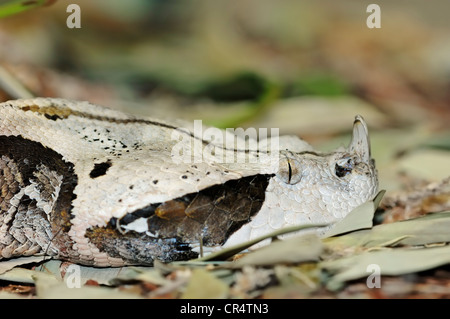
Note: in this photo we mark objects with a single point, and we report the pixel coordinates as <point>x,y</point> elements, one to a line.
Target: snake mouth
<point>360,143</point>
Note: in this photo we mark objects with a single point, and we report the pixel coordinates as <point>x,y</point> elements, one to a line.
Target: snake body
<point>95,186</point>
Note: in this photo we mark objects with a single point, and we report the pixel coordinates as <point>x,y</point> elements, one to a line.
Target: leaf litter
<point>299,266</point>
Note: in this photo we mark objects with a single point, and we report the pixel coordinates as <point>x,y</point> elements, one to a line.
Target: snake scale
<point>95,186</point>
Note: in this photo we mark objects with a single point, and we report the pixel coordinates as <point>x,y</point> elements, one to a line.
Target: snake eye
<point>344,167</point>
<point>290,171</point>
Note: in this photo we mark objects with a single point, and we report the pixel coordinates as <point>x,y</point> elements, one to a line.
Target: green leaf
<point>252,109</point>
<point>320,84</point>
<point>8,8</point>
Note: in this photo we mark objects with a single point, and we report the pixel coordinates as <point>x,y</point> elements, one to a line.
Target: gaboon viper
<point>96,186</point>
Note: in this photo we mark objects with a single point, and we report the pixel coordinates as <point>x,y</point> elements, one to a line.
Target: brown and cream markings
<point>99,187</point>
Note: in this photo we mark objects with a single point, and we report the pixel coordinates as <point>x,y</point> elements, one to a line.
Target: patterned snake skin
<point>95,186</point>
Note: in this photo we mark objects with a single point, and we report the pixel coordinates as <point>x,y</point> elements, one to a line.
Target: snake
<point>96,186</point>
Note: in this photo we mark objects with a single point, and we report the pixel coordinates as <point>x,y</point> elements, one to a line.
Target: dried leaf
<point>103,276</point>
<point>11,263</point>
<point>204,285</point>
<point>18,275</point>
<point>360,217</point>
<point>150,275</point>
<point>430,164</point>
<point>304,115</point>
<point>293,250</point>
<point>431,228</point>
<point>61,291</point>
<point>49,287</point>
<point>9,295</point>
<point>391,262</point>
<point>228,252</point>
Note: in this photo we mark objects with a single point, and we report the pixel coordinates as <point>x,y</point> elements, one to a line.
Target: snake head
<point>330,185</point>
<point>355,166</point>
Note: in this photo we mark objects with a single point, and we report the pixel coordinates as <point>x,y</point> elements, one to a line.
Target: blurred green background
<point>306,67</point>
